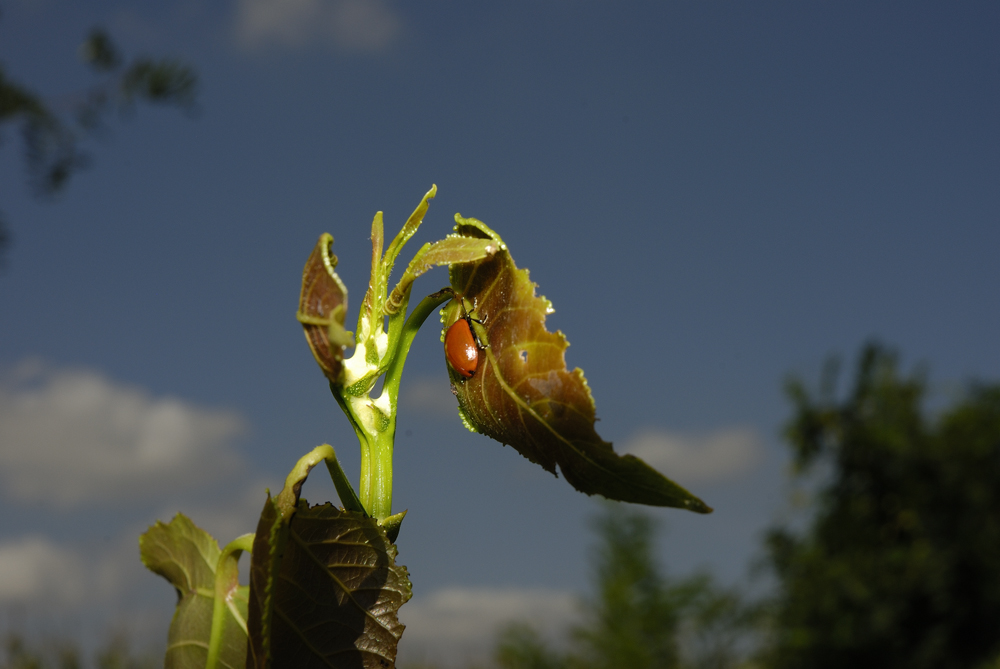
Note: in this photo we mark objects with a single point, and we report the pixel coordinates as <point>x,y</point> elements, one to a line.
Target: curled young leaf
<point>448,251</point>
<point>521,392</point>
<point>323,308</point>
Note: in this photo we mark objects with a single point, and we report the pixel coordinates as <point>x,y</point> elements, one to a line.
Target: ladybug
<point>461,346</point>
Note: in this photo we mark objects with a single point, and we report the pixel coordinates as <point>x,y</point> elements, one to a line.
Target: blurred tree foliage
<point>18,653</point>
<point>901,564</point>
<point>638,617</point>
<point>52,138</point>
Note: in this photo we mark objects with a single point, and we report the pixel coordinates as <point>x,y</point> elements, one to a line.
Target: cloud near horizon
<point>103,578</point>
<point>33,569</point>
<point>457,623</point>
<point>75,436</point>
<point>357,26</point>
<point>721,455</point>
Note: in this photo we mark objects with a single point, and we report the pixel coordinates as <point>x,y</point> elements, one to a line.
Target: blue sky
<point>713,195</point>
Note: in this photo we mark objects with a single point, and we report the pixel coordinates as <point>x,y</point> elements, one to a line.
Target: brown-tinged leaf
<point>324,589</point>
<point>188,557</point>
<point>522,394</point>
<point>323,308</point>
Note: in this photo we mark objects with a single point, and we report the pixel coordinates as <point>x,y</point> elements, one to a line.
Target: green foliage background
<point>901,566</point>
<point>638,616</point>
<point>21,653</point>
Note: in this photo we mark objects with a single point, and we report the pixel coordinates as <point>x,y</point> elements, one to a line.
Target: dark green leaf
<point>324,587</point>
<point>523,395</point>
<point>16,100</point>
<point>164,81</point>
<point>5,240</point>
<point>100,52</point>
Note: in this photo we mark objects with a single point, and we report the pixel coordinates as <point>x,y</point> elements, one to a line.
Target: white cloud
<point>716,456</point>
<point>94,587</point>
<point>458,624</point>
<point>103,575</point>
<point>75,436</point>
<point>33,569</point>
<point>351,25</point>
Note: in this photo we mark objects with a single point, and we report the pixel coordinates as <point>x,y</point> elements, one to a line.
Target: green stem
<point>287,499</point>
<point>363,486</point>
<point>348,497</point>
<point>377,442</point>
<point>380,476</point>
<point>376,460</point>
<point>417,317</point>
<point>226,585</point>
<point>376,431</point>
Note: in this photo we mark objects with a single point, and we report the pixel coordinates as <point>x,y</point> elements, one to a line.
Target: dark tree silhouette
<point>900,567</point>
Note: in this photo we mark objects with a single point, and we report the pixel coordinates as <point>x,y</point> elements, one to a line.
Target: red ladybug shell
<point>460,348</point>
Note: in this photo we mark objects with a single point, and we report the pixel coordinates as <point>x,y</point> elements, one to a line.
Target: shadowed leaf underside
<point>323,308</point>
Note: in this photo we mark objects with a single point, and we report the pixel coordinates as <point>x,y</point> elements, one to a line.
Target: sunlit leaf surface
<point>523,395</point>
<point>325,590</point>
<point>452,249</point>
<point>187,557</point>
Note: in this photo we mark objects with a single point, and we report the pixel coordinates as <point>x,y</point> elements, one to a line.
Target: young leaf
<point>323,308</point>
<point>188,557</point>
<point>324,586</point>
<point>448,251</point>
<point>522,394</point>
